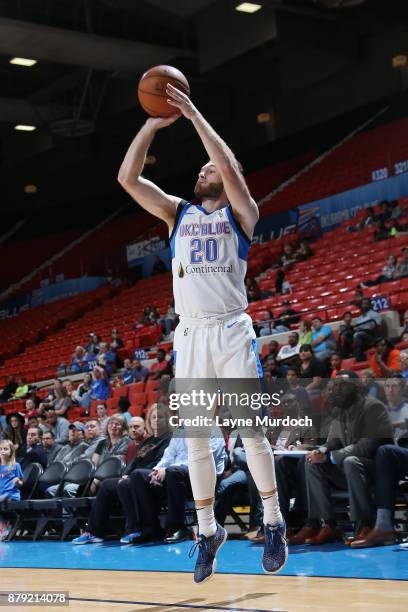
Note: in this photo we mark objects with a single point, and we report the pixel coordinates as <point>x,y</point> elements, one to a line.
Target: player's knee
<point>256,446</point>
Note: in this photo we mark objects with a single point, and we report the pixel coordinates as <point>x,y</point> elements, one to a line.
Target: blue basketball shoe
<point>208,548</point>
<point>275,552</point>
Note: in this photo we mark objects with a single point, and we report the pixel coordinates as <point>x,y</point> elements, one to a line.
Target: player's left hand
<point>181,101</point>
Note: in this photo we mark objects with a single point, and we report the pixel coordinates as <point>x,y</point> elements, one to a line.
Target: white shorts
<point>221,348</point>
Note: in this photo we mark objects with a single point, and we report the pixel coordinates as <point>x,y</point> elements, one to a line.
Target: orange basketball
<point>152,90</point>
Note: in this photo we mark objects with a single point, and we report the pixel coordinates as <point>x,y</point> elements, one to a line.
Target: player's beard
<point>210,191</point>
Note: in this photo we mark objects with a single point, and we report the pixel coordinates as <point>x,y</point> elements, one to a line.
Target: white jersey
<point>209,261</point>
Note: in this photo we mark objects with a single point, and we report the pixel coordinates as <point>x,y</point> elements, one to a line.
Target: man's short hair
<point>39,430</point>
<point>318,318</point>
<point>49,431</point>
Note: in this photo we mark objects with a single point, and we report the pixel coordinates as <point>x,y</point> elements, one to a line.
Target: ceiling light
<point>264,118</point>
<point>25,128</point>
<point>30,189</point>
<point>23,61</point>
<point>399,61</point>
<point>248,7</point>
<point>150,160</point>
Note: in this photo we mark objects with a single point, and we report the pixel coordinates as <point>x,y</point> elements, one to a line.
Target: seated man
<point>345,461</point>
<point>160,366</point>
<point>35,452</point>
<point>391,466</point>
<point>128,374</point>
<point>365,329</point>
<point>111,490</point>
<point>323,341</point>
<point>169,483</point>
<point>289,353</point>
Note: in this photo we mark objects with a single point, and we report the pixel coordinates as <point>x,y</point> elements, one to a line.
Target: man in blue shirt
<point>128,374</point>
<point>323,341</point>
<point>140,372</point>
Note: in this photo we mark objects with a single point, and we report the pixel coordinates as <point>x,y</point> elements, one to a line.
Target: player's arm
<point>147,194</point>
<point>243,205</point>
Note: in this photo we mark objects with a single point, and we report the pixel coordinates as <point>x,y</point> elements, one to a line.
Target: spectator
<point>113,489</point>
<point>397,408</point>
<point>335,363</point>
<point>402,267</point>
<point>385,211</point>
<point>312,370</point>
<point>295,388</point>
<point>21,391</point>
<point>78,361</point>
<point>346,333</point>
<point>99,389</point>
<point>404,335</point>
<point>288,256</point>
<point>290,352</point>
<point>137,434</point>
<point>51,448</point>
<point>140,372</point>
<point>394,228</point>
<point>273,350</point>
<point>382,232</point>
<point>159,267</point>
<point>290,470</point>
<point>344,461</point>
<point>116,342</point>
<point>63,402</point>
<point>34,451</point>
<point>128,374</point>
<point>404,363</point>
<point>386,359</point>
<point>323,341</point>
<point>123,408</point>
<point>58,425</point>
<point>93,434</point>
<point>9,389</point>
<point>102,412</point>
<point>11,480</point>
<point>366,328</point>
<point>305,332</point>
<point>30,407</point>
<point>391,466</point>
<point>358,297</point>
<point>106,358</point>
<point>160,367</point>
<point>116,441</point>
<point>169,482</point>
<point>32,421</point>
<point>49,400</point>
<point>74,449</point>
<point>396,210</point>
<point>93,344</point>
<point>71,392</point>
<point>272,367</point>
<point>168,321</point>
<point>388,272</point>
<point>288,316</point>
<point>252,289</point>
<point>304,251</point>
<point>83,387</point>
<point>369,219</point>
<point>370,386</point>
<point>16,433</point>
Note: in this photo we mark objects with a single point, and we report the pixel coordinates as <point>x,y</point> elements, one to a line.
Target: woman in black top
<point>312,370</point>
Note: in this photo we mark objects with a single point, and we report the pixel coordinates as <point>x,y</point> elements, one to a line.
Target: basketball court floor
<point>157,578</point>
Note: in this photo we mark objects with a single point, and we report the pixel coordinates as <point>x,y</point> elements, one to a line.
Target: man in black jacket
<point>35,452</point>
<point>360,425</point>
<point>113,489</point>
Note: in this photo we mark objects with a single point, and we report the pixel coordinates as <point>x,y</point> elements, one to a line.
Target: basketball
<point>152,90</point>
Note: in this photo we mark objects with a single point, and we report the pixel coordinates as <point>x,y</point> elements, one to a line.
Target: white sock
<point>207,525</point>
<point>272,513</point>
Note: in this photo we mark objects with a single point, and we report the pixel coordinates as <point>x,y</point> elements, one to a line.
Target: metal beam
<point>81,49</point>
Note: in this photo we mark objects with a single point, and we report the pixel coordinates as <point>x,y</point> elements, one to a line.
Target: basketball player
<point>215,338</point>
